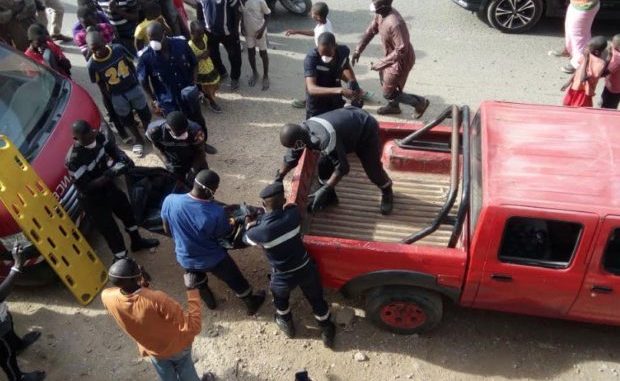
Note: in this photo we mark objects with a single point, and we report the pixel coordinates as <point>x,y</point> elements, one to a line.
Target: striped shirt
<point>124,27</point>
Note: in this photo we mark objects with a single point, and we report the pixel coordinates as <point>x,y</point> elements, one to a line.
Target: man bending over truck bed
<point>336,134</point>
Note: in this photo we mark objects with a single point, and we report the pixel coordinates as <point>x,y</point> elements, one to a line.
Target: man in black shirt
<point>93,161</point>
<point>181,143</point>
<point>278,232</point>
<point>324,67</point>
<point>336,134</point>
<point>123,15</point>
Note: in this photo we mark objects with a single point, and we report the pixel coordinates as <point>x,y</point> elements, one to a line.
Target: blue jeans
<point>179,367</point>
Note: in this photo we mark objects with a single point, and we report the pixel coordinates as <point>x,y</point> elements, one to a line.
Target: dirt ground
<point>460,60</point>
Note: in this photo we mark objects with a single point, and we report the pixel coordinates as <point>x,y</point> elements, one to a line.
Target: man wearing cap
<point>158,324</point>
<point>197,222</point>
<point>278,233</point>
<point>336,134</point>
<point>181,144</point>
<point>398,61</point>
<point>94,161</point>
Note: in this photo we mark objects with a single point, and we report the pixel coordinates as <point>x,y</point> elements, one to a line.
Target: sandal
<point>138,150</point>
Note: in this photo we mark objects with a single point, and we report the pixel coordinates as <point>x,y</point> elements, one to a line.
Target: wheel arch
<point>360,285</point>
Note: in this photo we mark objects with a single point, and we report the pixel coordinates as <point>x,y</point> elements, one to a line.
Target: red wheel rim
<point>403,315</point>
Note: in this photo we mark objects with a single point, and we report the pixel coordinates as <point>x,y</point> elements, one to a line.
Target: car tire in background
<point>514,16</point>
<point>404,310</point>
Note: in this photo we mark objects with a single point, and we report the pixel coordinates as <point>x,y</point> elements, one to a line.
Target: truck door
<point>599,299</point>
<point>535,263</point>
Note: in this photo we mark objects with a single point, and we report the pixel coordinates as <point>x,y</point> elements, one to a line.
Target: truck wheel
<point>514,16</point>
<point>404,310</point>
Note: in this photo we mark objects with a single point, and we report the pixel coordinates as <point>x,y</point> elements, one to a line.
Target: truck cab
<point>511,210</point>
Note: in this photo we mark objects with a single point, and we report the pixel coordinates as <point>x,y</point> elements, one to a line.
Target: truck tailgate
<point>418,197</point>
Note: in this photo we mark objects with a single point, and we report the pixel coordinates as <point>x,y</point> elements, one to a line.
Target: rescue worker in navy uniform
<point>278,233</point>
<point>324,67</point>
<point>93,161</point>
<point>336,134</point>
<point>181,143</point>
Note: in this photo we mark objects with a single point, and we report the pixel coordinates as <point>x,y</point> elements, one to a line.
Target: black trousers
<point>308,280</point>
<point>232,44</point>
<point>10,343</point>
<point>369,153</point>
<point>610,100</point>
<point>102,207</point>
<point>228,272</point>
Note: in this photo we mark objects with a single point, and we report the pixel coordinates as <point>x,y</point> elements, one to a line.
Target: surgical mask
<point>91,145</point>
<point>326,59</point>
<point>372,7</point>
<point>155,45</point>
<point>183,136</point>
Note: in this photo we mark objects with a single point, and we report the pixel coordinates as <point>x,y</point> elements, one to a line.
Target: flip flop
<point>138,150</point>
<point>418,114</point>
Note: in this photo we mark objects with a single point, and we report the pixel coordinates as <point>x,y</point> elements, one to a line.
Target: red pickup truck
<point>516,209</point>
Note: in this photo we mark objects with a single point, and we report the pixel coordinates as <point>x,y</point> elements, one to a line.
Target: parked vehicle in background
<point>517,16</point>
<point>297,7</point>
<point>37,108</point>
<point>517,213</point>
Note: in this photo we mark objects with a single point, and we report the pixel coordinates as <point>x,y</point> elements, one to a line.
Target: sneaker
<point>138,150</point>
<point>253,302</point>
<point>328,334</point>
<point>207,296</point>
<point>558,53</point>
<point>387,202</point>
<point>286,325</point>
<point>215,107</point>
<point>234,84</point>
<point>568,69</point>
<point>144,243</point>
<point>298,103</point>
<point>389,110</point>
<point>209,149</point>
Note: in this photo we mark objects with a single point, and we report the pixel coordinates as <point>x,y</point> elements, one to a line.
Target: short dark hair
<point>177,121</point>
<point>151,8</point>
<point>320,9</point>
<point>195,24</point>
<point>36,31</point>
<point>80,127</point>
<point>85,11</point>
<point>209,179</point>
<point>327,38</point>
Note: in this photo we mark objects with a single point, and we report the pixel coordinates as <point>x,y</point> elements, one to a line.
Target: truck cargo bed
<point>418,197</point>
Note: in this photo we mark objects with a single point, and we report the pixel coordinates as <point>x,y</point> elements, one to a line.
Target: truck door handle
<point>502,277</point>
<point>602,289</point>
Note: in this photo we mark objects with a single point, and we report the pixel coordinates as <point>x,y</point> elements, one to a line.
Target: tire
<point>514,16</point>
<point>404,310</point>
<point>297,7</point>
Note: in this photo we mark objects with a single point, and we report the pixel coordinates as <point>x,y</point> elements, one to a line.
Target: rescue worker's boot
<point>328,333</point>
<point>254,301</point>
<point>207,296</point>
<point>285,323</point>
<point>387,200</point>
<point>140,243</point>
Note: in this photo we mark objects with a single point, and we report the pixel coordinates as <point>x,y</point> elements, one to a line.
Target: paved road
<point>460,60</point>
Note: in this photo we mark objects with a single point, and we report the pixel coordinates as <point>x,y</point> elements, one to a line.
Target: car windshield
<point>476,173</point>
<point>28,92</point>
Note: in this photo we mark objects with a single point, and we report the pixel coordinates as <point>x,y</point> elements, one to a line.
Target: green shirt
<point>584,5</point>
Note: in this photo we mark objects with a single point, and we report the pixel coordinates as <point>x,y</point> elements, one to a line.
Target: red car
<point>37,108</point>
<point>518,213</point>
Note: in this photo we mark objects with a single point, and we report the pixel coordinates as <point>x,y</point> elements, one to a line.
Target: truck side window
<point>538,242</point>
<point>611,258</point>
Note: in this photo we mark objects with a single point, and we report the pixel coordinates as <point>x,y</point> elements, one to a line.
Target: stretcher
<point>47,225</point>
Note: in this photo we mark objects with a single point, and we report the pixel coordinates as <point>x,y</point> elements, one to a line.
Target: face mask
<point>372,7</point>
<point>183,136</point>
<point>155,45</point>
<point>91,145</point>
<point>326,59</point>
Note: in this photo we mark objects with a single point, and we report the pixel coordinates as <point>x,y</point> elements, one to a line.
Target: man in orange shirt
<point>158,324</point>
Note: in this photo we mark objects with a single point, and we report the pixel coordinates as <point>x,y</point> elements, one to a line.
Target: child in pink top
<point>611,94</point>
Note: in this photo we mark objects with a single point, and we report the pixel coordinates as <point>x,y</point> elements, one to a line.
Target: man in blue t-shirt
<point>324,67</point>
<point>197,222</point>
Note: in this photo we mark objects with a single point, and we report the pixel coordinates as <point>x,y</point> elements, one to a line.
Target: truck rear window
<point>538,242</point>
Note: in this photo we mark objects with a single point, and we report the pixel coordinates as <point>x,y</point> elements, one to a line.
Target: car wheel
<point>514,16</point>
<point>404,310</point>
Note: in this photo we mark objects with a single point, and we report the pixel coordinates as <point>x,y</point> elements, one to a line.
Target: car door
<point>599,298</point>
<point>537,266</point>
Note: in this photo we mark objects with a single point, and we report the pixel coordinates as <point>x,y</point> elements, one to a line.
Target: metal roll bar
<point>410,142</point>
<point>464,205</point>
